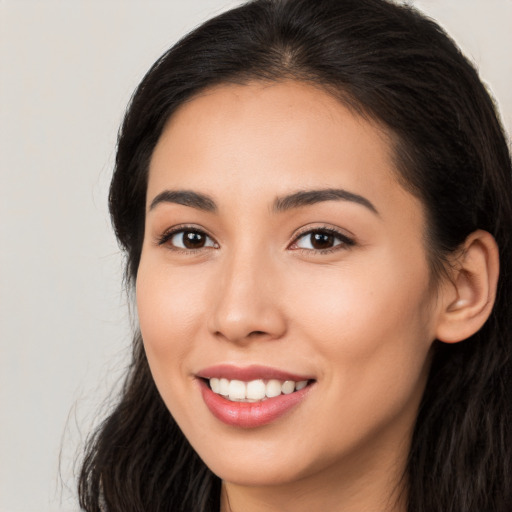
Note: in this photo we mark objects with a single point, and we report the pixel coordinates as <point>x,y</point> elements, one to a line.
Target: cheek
<point>170,308</point>
<point>373,323</point>
<point>371,340</point>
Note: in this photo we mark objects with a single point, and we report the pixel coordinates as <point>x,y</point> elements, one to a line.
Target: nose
<point>247,301</point>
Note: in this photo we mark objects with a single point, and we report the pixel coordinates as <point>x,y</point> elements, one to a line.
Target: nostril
<point>256,333</point>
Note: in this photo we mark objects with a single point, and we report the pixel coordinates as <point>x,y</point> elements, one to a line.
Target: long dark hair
<point>391,64</point>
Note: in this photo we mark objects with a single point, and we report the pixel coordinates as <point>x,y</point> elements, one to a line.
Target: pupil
<point>193,240</point>
<point>322,240</point>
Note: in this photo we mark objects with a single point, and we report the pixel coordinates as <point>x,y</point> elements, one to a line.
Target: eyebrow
<point>281,204</point>
<point>186,198</point>
<point>309,197</point>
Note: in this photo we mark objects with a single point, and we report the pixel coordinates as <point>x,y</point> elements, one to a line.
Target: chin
<point>255,475</point>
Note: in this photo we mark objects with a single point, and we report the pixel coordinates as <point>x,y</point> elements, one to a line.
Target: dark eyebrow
<point>309,197</point>
<point>186,198</point>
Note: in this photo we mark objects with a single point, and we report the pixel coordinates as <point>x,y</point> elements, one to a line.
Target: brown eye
<point>322,239</point>
<point>193,240</point>
<point>189,239</point>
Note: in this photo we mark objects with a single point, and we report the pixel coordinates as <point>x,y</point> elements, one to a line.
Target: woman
<point>314,199</point>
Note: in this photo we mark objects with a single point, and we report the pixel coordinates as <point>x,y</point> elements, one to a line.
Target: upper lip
<point>248,373</point>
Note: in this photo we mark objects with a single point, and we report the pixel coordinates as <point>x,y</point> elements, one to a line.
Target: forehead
<point>267,139</point>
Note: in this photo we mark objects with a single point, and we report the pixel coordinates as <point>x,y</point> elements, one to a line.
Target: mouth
<point>257,390</point>
<point>251,397</point>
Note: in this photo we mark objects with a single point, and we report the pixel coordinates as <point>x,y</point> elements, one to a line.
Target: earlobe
<point>468,298</point>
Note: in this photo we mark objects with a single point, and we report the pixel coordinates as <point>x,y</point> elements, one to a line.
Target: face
<point>283,293</point>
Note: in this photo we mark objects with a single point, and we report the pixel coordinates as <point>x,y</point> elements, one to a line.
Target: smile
<point>255,390</point>
<point>251,397</point>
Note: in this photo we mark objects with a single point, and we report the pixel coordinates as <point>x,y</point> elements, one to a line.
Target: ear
<point>468,296</point>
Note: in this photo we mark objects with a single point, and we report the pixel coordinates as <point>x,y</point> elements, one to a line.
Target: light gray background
<point>67,70</point>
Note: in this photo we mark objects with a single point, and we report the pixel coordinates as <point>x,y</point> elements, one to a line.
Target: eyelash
<point>344,241</point>
<point>169,234</point>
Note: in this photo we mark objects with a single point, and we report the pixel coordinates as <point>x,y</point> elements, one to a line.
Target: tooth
<point>224,387</point>
<point>288,387</point>
<point>273,388</point>
<point>215,385</point>
<point>300,385</point>
<point>236,390</point>
<point>256,390</point>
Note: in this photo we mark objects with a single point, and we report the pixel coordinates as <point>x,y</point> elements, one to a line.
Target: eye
<point>187,239</point>
<point>321,239</point>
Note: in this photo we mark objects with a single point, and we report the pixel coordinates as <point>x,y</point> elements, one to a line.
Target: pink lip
<point>249,373</point>
<point>245,414</point>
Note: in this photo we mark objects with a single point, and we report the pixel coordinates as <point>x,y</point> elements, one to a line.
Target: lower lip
<point>250,414</point>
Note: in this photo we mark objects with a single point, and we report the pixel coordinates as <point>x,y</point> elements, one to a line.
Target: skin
<point>360,318</point>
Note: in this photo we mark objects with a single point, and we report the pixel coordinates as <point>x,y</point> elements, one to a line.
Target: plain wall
<point>67,70</point>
